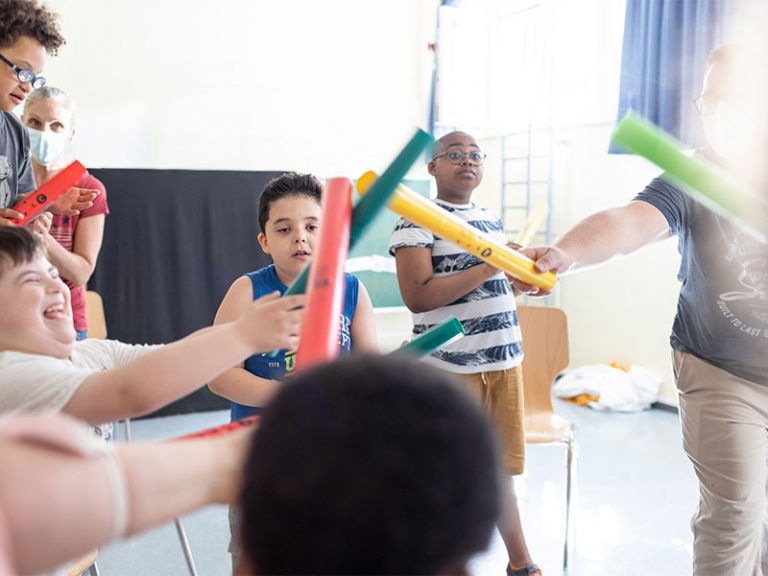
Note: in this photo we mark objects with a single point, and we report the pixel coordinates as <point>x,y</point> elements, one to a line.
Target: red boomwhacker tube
<point>48,193</point>
<point>221,430</point>
<point>319,338</point>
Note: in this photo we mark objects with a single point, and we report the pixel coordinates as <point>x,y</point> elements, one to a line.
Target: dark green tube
<point>432,339</point>
<point>382,189</point>
<point>375,199</point>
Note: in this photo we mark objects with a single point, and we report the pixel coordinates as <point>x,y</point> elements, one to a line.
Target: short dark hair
<point>29,18</point>
<point>289,184</point>
<point>17,246</point>
<point>370,465</point>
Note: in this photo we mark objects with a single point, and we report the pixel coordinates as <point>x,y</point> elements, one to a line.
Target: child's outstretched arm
<point>237,384</point>
<point>422,291</point>
<point>73,502</point>
<point>167,374</point>
<point>363,327</point>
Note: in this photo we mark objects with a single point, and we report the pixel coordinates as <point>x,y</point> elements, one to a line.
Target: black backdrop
<point>173,243</point>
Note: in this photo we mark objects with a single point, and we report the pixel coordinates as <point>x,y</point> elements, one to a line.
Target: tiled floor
<point>634,497</point>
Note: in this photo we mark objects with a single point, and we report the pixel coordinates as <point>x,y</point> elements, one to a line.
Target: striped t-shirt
<point>488,313</point>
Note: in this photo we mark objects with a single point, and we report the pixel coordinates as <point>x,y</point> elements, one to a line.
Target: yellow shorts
<point>501,396</point>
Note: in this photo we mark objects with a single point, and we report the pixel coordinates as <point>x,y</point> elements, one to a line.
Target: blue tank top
<point>265,281</point>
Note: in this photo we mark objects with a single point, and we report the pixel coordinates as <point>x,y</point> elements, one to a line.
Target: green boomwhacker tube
<point>701,179</point>
<point>434,338</point>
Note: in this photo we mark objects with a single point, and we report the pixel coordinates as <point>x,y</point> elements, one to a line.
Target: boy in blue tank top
<point>289,219</point>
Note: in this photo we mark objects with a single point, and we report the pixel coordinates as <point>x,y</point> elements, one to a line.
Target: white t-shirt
<point>34,383</point>
<point>488,313</point>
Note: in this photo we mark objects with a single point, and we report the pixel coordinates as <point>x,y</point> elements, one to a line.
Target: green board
<point>382,286</point>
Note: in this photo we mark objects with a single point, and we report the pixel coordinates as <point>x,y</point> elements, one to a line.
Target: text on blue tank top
<point>265,281</point>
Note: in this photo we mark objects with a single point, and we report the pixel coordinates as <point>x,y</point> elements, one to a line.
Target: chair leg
<point>93,570</point>
<point>185,547</point>
<point>127,429</point>
<point>571,449</point>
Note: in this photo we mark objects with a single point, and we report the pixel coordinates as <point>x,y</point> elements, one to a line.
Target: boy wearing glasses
<point>438,280</point>
<point>28,33</point>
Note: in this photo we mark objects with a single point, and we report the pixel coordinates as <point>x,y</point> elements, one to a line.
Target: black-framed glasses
<point>25,75</point>
<point>457,157</point>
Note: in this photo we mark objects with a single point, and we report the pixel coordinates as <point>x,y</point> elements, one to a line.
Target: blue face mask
<point>46,147</point>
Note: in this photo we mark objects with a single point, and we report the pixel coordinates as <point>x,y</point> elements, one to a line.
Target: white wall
<point>333,87</point>
<point>623,311</point>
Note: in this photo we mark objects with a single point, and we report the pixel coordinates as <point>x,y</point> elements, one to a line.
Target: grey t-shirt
<point>722,312</point>
<point>15,166</point>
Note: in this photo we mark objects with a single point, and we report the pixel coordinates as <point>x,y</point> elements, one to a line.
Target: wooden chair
<point>545,341</point>
<point>97,328</point>
<point>94,310</point>
<point>85,564</point>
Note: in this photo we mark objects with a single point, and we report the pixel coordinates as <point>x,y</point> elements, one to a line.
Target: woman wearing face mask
<point>73,242</point>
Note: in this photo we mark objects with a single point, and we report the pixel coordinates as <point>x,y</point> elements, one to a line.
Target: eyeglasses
<point>456,157</point>
<point>25,75</point>
<point>706,103</point>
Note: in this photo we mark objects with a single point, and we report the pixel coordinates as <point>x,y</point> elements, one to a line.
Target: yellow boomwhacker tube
<point>427,214</point>
<point>535,220</point>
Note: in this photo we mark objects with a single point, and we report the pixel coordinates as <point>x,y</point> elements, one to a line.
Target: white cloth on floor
<point>616,389</point>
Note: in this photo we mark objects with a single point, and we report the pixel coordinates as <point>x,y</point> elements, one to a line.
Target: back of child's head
<point>17,246</point>
<point>29,18</point>
<point>370,465</point>
<point>290,184</point>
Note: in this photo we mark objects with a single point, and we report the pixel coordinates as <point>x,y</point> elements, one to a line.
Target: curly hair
<point>29,18</point>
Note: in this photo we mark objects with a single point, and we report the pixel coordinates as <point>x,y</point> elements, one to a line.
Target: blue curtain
<point>666,44</point>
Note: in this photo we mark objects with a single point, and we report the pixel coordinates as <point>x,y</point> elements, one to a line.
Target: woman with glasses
<point>24,44</point>
<point>72,242</point>
<point>28,33</point>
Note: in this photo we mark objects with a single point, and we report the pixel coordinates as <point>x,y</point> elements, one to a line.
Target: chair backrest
<point>83,564</point>
<point>94,309</point>
<point>545,343</point>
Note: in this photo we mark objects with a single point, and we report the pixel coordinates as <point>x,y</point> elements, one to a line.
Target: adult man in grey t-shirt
<point>720,334</point>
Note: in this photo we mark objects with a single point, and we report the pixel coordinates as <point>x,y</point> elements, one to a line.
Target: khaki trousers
<point>500,393</point>
<point>725,434</point>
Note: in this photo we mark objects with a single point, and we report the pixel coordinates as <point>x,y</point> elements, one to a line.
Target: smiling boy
<point>44,368</point>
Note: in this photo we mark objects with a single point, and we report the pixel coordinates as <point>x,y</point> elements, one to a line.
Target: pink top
<point>64,228</point>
